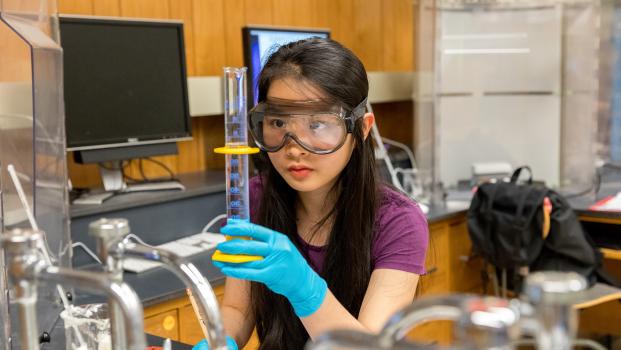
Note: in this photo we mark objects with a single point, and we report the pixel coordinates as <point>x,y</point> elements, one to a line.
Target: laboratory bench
<point>159,217</point>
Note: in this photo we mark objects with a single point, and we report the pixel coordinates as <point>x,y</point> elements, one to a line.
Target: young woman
<point>340,251</point>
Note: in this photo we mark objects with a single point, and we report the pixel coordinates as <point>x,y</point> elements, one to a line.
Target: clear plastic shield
<point>504,84</point>
<point>32,138</point>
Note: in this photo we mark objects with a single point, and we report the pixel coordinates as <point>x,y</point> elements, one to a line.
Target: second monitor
<point>261,41</point>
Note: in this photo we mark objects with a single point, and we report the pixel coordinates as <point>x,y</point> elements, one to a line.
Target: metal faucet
<point>552,295</point>
<point>112,247</point>
<point>483,322</point>
<point>25,269</point>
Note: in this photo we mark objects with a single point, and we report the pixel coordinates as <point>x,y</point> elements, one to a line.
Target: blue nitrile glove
<point>202,345</point>
<point>283,269</point>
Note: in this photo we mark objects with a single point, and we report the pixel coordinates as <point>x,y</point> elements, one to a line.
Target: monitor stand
<point>154,186</point>
<point>113,182</point>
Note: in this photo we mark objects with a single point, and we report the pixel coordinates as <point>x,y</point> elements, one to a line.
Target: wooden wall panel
<point>14,57</point>
<point>379,32</point>
<point>259,11</point>
<point>191,153</point>
<point>107,7</point>
<point>80,7</point>
<point>321,13</point>
<point>300,13</point>
<point>394,120</point>
<point>339,18</point>
<point>398,35</point>
<point>209,42</point>
<point>234,12</point>
<point>366,25</point>
<point>144,8</point>
<point>182,9</point>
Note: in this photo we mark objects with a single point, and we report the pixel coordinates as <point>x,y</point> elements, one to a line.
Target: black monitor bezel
<point>247,58</point>
<point>182,136</point>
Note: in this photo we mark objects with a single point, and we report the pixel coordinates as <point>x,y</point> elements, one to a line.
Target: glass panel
<point>507,82</point>
<point>32,135</point>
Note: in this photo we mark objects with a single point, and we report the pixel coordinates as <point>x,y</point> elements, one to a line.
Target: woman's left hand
<point>283,269</point>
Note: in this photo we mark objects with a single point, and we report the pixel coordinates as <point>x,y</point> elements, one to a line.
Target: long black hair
<point>340,75</point>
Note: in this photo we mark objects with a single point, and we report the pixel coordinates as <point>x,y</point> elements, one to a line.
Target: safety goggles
<point>317,126</point>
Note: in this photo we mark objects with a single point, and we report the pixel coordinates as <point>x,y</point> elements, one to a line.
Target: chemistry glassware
<point>236,151</point>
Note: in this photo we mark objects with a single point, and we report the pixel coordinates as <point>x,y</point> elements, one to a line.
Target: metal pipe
<point>110,233</point>
<point>26,298</point>
<point>20,247</point>
<point>445,307</point>
<point>26,268</point>
<point>552,294</point>
<point>112,248</point>
<point>120,292</point>
<point>193,279</point>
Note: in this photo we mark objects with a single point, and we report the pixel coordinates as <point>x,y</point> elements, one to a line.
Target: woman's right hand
<point>202,345</point>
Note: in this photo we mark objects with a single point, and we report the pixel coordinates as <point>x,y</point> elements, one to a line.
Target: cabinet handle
<point>432,269</point>
<point>468,258</point>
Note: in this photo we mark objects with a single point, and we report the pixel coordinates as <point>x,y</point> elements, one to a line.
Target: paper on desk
<point>611,203</point>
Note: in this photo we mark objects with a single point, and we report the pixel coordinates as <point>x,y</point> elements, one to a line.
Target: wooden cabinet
<point>465,270</point>
<point>436,281</point>
<point>176,320</point>
<point>165,324</point>
<point>450,269</point>
<point>190,331</point>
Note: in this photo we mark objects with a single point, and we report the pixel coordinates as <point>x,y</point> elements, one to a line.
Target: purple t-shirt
<point>401,233</point>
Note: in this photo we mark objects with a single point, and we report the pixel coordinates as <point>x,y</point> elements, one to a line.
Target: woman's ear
<point>367,123</point>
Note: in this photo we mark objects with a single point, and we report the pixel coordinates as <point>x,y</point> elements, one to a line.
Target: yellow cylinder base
<point>234,258</point>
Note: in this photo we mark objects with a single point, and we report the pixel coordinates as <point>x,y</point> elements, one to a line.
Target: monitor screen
<point>124,82</point>
<point>261,42</point>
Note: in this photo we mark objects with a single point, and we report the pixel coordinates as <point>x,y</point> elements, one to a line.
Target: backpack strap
<point>488,218</point>
<point>516,174</point>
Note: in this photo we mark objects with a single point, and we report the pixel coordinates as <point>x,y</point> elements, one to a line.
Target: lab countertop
<point>196,184</point>
<point>203,183</point>
<point>159,284</point>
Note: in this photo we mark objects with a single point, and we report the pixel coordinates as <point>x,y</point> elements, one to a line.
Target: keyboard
<point>185,247</point>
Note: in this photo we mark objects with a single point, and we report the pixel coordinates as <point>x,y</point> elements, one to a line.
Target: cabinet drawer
<point>437,261</point>
<point>190,331</point>
<point>165,325</point>
<point>437,258</point>
<point>436,332</point>
<point>465,270</point>
<point>433,283</point>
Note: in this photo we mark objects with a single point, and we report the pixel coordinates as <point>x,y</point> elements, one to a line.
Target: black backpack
<point>505,223</point>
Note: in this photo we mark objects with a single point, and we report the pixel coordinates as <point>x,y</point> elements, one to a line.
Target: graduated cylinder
<point>236,151</point>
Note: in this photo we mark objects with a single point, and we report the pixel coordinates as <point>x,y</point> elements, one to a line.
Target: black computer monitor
<point>261,41</point>
<point>125,87</point>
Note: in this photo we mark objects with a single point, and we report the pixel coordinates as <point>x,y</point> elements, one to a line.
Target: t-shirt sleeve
<point>402,239</point>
